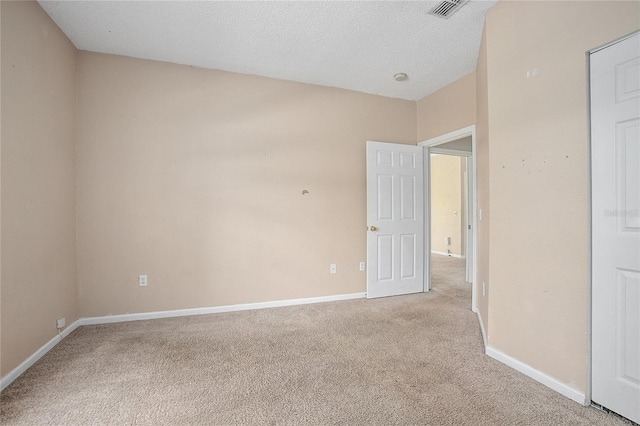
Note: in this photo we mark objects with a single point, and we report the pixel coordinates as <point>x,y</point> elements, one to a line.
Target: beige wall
<point>196,178</point>
<point>38,180</point>
<point>447,212</point>
<point>451,108</point>
<point>482,186</point>
<point>463,144</point>
<point>539,265</point>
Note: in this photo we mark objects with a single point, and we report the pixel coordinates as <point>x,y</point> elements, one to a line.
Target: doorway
<point>449,216</point>
<point>458,146</point>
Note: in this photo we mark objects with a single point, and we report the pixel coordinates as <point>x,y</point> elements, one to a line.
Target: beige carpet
<point>409,360</point>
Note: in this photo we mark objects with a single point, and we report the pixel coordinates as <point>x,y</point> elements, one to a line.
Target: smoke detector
<point>400,76</point>
<point>447,8</point>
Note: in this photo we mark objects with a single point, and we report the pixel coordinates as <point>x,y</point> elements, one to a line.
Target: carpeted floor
<point>408,360</point>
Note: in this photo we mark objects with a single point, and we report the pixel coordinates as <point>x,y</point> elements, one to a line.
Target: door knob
<point>373,228</point>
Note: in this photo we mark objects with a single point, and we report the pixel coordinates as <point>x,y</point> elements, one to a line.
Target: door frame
<point>429,147</point>
<point>588,54</point>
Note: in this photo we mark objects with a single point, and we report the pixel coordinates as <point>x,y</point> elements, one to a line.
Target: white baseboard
<point>537,375</point>
<point>34,357</point>
<point>447,254</point>
<point>216,309</point>
<point>484,334</point>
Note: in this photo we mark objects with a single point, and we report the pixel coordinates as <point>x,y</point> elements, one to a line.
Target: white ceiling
<point>357,45</point>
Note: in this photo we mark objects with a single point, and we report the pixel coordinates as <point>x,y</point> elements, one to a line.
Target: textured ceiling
<point>357,45</point>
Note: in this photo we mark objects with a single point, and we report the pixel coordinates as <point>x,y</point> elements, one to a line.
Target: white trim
<point>611,43</point>
<point>459,256</point>
<point>484,334</point>
<point>426,178</point>
<point>537,375</point>
<point>34,357</point>
<point>474,220</point>
<point>217,309</point>
<point>24,365</point>
<point>468,219</point>
<point>590,232</point>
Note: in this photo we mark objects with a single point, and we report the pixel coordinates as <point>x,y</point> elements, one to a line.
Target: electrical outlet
<point>142,280</point>
<point>60,322</point>
<point>361,266</point>
<point>333,268</point>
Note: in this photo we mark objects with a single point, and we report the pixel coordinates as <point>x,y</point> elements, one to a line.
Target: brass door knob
<point>373,228</point>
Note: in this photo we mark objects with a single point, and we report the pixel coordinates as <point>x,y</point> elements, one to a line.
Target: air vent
<point>447,8</point>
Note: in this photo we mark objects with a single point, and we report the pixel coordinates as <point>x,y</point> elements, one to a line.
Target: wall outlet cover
<point>142,280</point>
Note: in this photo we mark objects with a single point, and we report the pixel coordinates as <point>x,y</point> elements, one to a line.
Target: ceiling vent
<point>447,8</point>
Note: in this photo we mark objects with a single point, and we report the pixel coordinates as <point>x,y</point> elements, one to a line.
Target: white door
<point>615,153</point>
<point>395,218</point>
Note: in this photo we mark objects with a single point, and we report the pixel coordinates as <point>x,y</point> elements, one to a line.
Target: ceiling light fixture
<point>401,76</point>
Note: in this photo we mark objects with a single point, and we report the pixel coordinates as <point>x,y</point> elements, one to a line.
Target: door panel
<point>628,340</point>
<point>615,153</point>
<point>385,257</point>
<point>628,152</point>
<point>407,256</point>
<point>407,202</point>
<point>395,206</point>
<point>385,197</point>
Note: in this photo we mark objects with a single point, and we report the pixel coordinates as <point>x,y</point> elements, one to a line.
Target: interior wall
<point>451,108</point>
<point>38,181</point>
<point>464,144</point>
<point>195,177</point>
<point>223,188</point>
<point>482,185</point>
<point>446,204</point>
<point>539,180</point>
